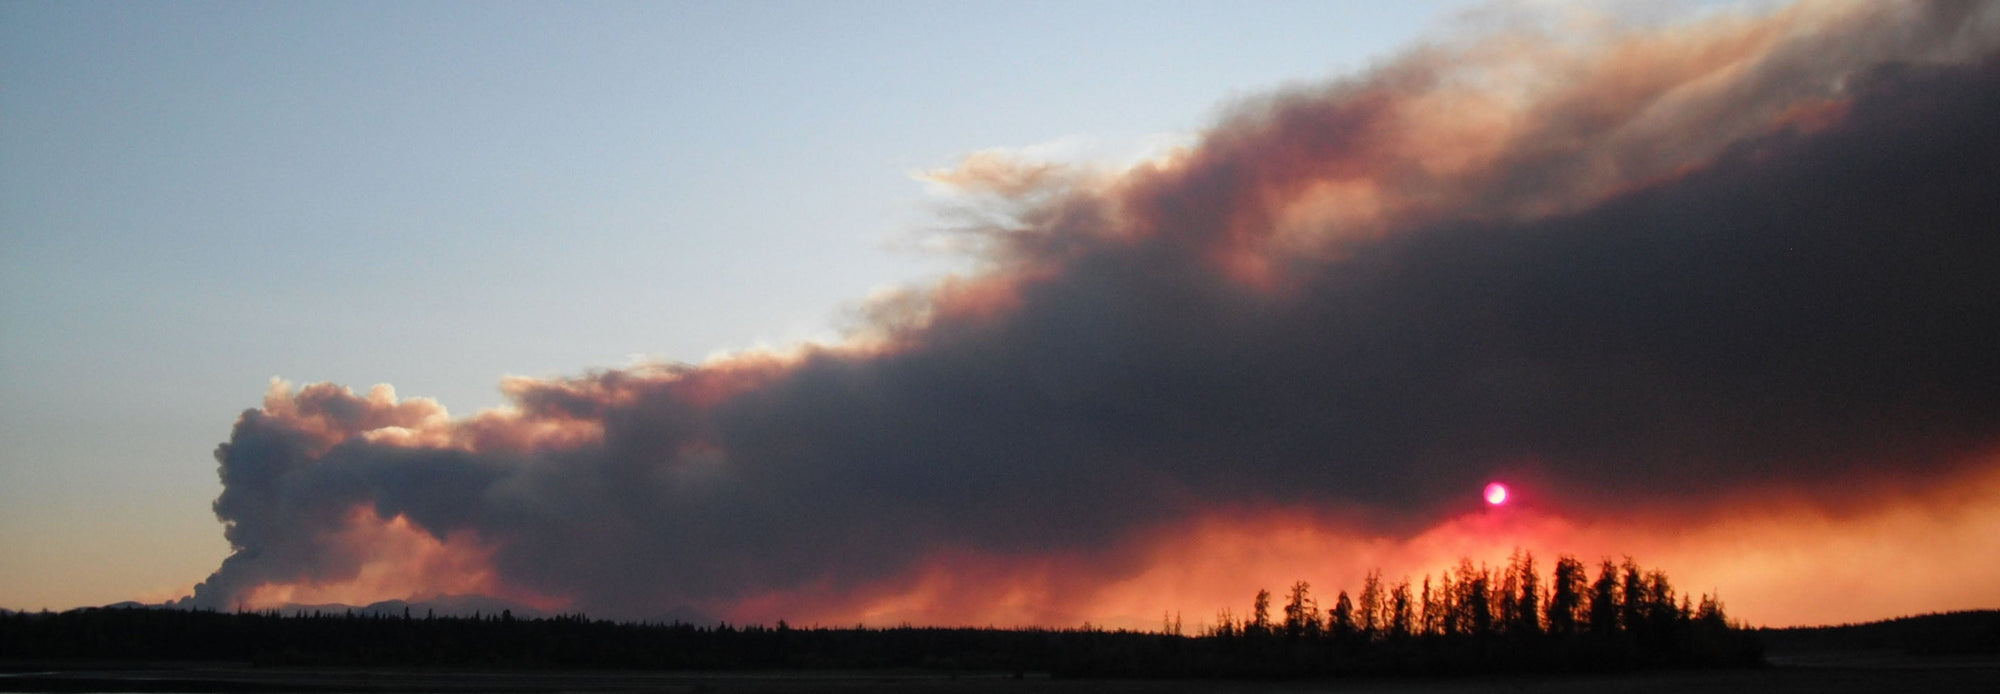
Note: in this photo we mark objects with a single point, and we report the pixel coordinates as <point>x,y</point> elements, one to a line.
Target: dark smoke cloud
<point>1771,264</point>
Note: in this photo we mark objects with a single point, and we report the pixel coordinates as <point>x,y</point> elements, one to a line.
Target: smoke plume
<point>1640,270</point>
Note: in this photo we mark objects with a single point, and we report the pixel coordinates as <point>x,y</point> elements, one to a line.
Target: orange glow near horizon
<point>398,561</point>
<point>1777,564</point>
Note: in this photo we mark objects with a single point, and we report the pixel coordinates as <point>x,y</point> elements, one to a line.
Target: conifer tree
<point>1566,594</point>
<point>1427,612</point>
<point>1225,624</point>
<point>1477,599</point>
<point>1301,611</point>
<point>1604,607</point>
<point>1508,593</point>
<point>1340,623</point>
<point>1447,606</point>
<point>1260,615</point>
<point>1528,603</point>
<point>1370,609</point>
<point>1632,596</point>
<point>1709,614</point>
<point>1399,610</point>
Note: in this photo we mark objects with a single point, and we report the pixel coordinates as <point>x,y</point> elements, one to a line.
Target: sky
<point>1014,314</point>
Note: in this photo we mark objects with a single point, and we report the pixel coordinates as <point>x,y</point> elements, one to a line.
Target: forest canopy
<point>1471,619</point>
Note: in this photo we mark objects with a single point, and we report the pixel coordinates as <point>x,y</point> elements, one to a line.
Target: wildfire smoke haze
<point>1723,294</point>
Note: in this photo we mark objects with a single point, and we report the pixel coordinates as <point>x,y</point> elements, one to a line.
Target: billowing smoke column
<point>1648,269</point>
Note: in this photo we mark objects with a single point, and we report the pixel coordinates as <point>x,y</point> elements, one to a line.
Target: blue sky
<point>197,197</point>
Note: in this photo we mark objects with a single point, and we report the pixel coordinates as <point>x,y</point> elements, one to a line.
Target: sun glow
<point>1496,494</point>
<point>1784,562</point>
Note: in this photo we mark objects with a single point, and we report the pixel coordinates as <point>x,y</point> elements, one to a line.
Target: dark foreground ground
<point>1927,654</point>
<point>1833,673</point>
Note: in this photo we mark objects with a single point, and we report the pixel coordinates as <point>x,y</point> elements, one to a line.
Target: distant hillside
<point>1948,633</point>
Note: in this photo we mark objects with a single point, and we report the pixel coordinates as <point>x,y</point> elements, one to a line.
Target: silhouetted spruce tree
<point>1476,599</point>
<point>1447,606</point>
<point>1369,612</point>
<point>1399,610</point>
<point>1340,623</point>
<point>1566,591</point>
<point>1631,596</point>
<point>1528,603</point>
<point>1260,615</point>
<point>1301,611</point>
<point>1709,614</point>
<point>1309,617</point>
<point>1427,613</point>
<point>1662,611</point>
<point>1604,606</point>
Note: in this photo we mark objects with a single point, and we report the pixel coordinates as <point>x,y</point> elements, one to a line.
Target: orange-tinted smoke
<point>393,560</point>
<point>1512,127</point>
<point>1780,562</point>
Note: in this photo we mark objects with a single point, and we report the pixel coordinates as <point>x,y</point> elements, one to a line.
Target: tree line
<point>1478,617</point>
<point>1481,601</point>
<point>1474,619</point>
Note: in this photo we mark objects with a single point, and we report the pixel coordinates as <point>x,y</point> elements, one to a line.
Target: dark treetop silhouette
<point>1472,619</point>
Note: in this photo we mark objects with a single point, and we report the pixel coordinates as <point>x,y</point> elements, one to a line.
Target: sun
<point>1496,494</point>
